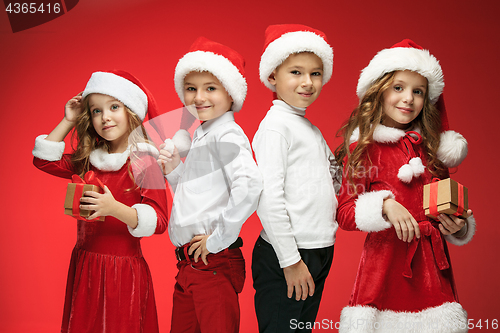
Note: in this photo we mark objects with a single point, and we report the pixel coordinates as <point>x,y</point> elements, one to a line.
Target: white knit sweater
<point>298,204</point>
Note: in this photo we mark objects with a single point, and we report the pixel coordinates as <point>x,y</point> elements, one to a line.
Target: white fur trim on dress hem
<point>368,211</point>
<point>146,221</point>
<point>48,150</point>
<point>471,230</point>
<point>446,318</point>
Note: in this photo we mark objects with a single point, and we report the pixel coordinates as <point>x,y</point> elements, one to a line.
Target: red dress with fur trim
<point>399,283</point>
<point>109,286</point>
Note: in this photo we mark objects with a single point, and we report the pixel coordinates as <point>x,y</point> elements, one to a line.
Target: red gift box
<point>446,197</point>
<point>75,192</point>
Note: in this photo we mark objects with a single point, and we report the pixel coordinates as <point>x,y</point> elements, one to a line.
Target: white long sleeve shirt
<point>298,204</point>
<point>218,186</point>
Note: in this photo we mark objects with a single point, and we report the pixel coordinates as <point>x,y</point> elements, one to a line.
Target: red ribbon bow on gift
<point>433,208</point>
<point>89,178</point>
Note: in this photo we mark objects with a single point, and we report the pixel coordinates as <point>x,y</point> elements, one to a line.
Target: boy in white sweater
<point>294,252</point>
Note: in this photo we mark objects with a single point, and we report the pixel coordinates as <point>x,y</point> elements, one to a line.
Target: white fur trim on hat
<point>446,318</point>
<point>295,42</point>
<point>400,59</point>
<point>146,221</point>
<point>452,149</point>
<point>120,88</point>
<point>221,67</point>
<point>412,169</point>
<point>48,150</point>
<point>368,211</point>
<point>471,230</point>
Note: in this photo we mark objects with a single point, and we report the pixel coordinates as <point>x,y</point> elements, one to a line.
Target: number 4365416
<point>25,8</point>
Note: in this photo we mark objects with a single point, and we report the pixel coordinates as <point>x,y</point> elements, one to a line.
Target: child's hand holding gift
<point>451,224</point>
<point>104,204</point>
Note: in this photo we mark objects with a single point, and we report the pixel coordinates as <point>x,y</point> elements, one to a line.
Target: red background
<point>41,68</point>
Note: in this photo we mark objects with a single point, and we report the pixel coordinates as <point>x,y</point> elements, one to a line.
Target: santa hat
<point>124,87</point>
<point>223,62</point>
<point>405,55</point>
<point>285,39</point>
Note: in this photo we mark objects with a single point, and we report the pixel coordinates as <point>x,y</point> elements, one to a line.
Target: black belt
<point>179,252</point>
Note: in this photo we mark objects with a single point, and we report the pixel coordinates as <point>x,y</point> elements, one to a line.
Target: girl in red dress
<point>109,287</point>
<point>395,142</point>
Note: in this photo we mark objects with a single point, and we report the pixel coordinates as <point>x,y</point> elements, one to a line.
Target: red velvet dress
<point>397,283</point>
<point>109,287</point>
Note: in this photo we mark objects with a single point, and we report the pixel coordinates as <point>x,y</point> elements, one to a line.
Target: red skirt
<point>109,293</point>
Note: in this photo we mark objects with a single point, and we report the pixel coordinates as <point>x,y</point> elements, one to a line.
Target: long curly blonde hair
<point>370,112</point>
<point>87,139</point>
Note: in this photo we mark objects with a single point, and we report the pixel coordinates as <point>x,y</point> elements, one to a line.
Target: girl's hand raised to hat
<point>168,160</point>
<point>73,108</point>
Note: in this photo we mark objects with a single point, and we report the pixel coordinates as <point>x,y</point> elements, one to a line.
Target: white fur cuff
<point>368,211</point>
<point>146,221</point>
<point>471,230</point>
<point>48,150</point>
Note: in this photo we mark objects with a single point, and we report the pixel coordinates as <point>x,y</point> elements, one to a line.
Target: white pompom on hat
<point>282,40</point>
<point>124,87</point>
<point>221,61</point>
<point>405,55</point>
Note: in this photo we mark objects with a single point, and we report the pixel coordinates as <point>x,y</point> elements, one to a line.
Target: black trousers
<point>275,311</point>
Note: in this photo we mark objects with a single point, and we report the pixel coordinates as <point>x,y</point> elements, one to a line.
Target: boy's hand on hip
<point>299,279</point>
<point>198,245</point>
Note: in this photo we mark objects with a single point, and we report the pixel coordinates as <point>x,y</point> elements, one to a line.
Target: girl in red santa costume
<point>396,141</point>
<point>109,287</point>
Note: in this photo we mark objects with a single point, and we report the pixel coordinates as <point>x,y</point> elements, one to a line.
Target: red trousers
<point>206,296</point>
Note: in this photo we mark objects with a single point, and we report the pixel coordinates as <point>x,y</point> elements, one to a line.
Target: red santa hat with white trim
<point>282,40</point>
<point>224,63</point>
<point>124,87</point>
<point>407,55</point>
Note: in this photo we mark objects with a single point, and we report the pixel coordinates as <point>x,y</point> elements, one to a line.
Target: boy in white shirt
<point>294,252</point>
<point>216,190</point>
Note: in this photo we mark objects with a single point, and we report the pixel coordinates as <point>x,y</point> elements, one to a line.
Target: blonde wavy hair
<point>370,112</point>
<point>87,139</point>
